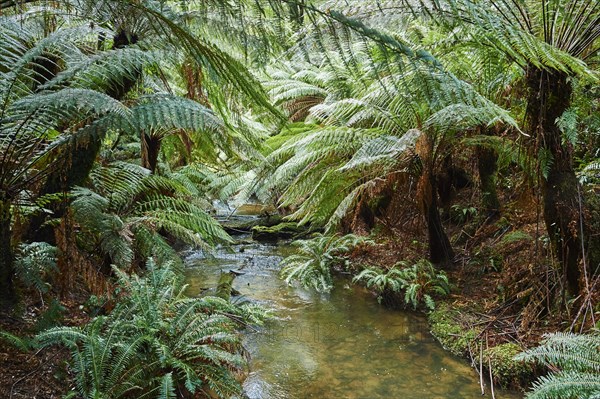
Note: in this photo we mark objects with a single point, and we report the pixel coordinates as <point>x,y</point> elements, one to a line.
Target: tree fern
<point>128,207</point>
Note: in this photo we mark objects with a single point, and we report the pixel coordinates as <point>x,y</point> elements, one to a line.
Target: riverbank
<point>499,300</point>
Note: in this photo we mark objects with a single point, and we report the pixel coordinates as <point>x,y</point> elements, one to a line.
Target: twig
<point>490,367</point>
<point>481,369</point>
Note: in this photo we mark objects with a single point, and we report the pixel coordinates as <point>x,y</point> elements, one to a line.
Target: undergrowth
<point>157,343</point>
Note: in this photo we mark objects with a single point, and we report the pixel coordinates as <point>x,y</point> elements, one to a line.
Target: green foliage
<point>51,317</point>
<point>125,211</point>
<point>390,280</point>
<point>463,214</point>
<point>156,341</point>
<point>311,265</point>
<point>577,359</point>
<point>34,261</point>
<point>567,123</point>
<point>419,282</point>
<point>22,344</point>
<point>589,175</point>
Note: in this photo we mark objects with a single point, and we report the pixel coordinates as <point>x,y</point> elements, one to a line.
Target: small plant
<point>384,282</point>
<point>423,281</point>
<point>463,214</point>
<point>575,360</point>
<point>418,281</point>
<point>52,317</point>
<point>311,266</point>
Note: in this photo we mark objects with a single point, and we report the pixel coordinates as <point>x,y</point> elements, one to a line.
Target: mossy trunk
<point>487,165</point>
<point>549,96</point>
<point>7,290</point>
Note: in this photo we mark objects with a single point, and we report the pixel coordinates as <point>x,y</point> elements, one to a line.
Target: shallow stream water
<point>338,345</point>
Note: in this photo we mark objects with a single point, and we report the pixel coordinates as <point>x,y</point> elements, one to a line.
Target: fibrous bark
<point>549,96</point>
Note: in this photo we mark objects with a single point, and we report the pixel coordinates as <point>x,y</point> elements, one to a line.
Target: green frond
<point>385,150</point>
<point>167,389</point>
<point>418,282</point>
<point>104,70</point>
<point>578,360</point>
<point>311,265</point>
<point>22,344</point>
<point>163,112</point>
<point>566,350</point>
<point>566,385</point>
<point>69,105</point>
<point>33,262</point>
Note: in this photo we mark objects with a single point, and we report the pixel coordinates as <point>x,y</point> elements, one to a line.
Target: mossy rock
<point>449,331</point>
<point>448,326</point>
<point>280,231</point>
<point>235,226</point>
<point>508,372</point>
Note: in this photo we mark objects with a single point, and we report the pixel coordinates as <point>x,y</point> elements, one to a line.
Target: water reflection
<point>338,345</point>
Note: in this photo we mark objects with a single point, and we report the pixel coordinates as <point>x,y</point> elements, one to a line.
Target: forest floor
<point>42,373</point>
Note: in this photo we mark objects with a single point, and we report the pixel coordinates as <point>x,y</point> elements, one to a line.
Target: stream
<point>338,345</point>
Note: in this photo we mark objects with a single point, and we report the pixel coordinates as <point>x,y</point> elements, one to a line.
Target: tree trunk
<point>72,170</point>
<point>297,15</point>
<point>150,151</point>
<point>440,249</point>
<point>549,96</point>
<point>7,290</point>
<point>487,165</point>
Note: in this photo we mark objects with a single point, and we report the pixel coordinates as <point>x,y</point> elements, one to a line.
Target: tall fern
<point>127,209</point>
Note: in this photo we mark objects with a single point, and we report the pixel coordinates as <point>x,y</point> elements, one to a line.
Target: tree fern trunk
<point>549,96</point>
<point>150,151</point>
<point>77,160</point>
<point>73,169</point>
<point>440,249</point>
<point>487,165</point>
<point>7,291</point>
